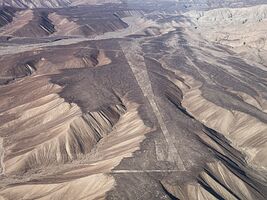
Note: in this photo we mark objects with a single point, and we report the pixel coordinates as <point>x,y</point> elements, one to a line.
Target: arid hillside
<point>242,29</point>
<point>196,4</point>
<point>52,3</point>
<point>161,100</point>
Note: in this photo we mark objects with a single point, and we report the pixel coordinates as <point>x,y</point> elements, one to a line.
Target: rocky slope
<point>141,104</point>
<point>52,3</point>
<point>243,29</point>
<point>69,22</point>
<point>196,4</point>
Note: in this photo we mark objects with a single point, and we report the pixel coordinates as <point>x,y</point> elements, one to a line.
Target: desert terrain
<point>138,100</point>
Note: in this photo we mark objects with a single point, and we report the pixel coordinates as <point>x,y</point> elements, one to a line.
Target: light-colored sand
<point>91,187</point>
<point>93,2</point>
<point>102,59</point>
<point>244,29</point>
<point>224,181</point>
<point>58,140</point>
<point>22,18</point>
<point>54,3</point>
<point>36,3</point>
<point>64,26</point>
<point>246,132</point>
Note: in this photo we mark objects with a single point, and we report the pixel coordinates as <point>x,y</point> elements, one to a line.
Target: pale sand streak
<point>142,78</point>
<point>2,153</point>
<point>143,171</point>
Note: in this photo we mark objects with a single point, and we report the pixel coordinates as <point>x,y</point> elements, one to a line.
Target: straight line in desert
<point>122,171</point>
<point>2,153</point>
<point>136,62</point>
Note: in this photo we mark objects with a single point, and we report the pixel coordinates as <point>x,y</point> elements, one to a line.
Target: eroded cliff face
<point>136,104</point>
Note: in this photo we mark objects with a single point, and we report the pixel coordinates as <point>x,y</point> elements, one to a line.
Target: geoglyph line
<point>2,152</point>
<point>136,62</point>
<point>144,171</point>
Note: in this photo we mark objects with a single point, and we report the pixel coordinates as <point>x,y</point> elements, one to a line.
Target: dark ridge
<point>234,168</point>
<point>93,58</point>
<point>94,19</point>
<point>6,15</point>
<point>223,142</point>
<point>230,191</point>
<point>178,106</point>
<point>210,190</point>
<point>5,39</point>
<point>22,70</point>
<point>45,22</point>
<point>97,134</point>
<point>125,13</point>
<point>171,196</point>
<point>29,67</point>
<point>231,164</point>
<point>39,26</point>
<point>78,141</point>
